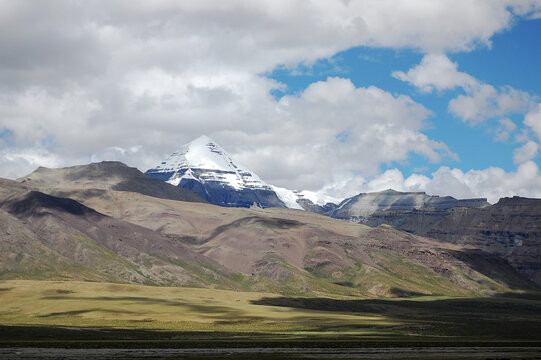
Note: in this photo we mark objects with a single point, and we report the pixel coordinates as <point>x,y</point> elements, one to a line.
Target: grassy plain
<point>63,311</point>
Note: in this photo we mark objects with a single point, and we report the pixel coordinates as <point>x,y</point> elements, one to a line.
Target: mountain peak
<point>206,160</point>
<point>389,191</point>
<point>203,139</point>
<point>203,166</point>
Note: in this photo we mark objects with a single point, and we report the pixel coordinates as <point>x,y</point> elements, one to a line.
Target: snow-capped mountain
<point>206,168</point>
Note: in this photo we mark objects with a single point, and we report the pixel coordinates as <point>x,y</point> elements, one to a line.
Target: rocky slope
<point>112,175</point>
<point>510,229</point>
<point>24,256</point>
<point>63,235</point>
<point>282,250</point>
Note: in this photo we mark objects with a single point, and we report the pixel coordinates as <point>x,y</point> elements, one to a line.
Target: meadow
<point>59,312</point>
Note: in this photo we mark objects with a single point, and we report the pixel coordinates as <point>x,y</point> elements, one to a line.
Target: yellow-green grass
<point>98,305</point>
<point>91,304</point>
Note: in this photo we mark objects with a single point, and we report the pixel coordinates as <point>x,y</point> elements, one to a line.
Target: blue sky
<point>512,59</point>
<point>335,97</point>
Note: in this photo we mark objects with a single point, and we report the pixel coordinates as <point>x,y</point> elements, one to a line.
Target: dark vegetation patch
<point>81,312</point>
<point>114,338</point>
<point>184,239</point>
<point>67,313</point>
<point>62,291</point>
<point>499,317</point>
<point>403,293</point>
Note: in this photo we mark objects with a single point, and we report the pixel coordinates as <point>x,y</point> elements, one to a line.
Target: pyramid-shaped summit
<point>206,168</point>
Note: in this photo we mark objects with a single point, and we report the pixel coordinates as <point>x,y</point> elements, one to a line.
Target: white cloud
<point>480,102</point>
<point>83,80</point>
<point>16,162</point>
<point>526,152</point>
<point>37,117</point>
<point>330,120</point>
<point>485,101</point>
<point>436,71</point>
<point>492,183</point>
<point>533,120</point>
<point>504,130</point>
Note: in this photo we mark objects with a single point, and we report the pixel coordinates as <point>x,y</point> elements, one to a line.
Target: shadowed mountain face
<point>36,203</point>
<point>510,229</point>
<point>107,175</point>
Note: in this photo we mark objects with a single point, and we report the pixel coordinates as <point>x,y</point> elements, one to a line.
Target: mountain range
<point>110,222</point>
<point>204,167</point>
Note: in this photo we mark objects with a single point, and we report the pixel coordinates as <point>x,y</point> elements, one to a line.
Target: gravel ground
<point>278,353</point>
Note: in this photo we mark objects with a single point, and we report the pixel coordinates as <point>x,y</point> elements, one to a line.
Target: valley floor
<point>70,314</point>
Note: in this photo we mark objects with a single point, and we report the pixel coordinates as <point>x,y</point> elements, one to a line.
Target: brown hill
<point>24,256</point>
<point>111,175</point>
<point>132,237</point>
<point>288,250</point>
<point>114,249</point>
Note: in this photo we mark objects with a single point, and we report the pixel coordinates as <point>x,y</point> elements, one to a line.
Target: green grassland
<point>33,310</point>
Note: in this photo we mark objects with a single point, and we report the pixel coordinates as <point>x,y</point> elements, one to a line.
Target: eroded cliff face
<point>361,207</point>
<point>510,229</point>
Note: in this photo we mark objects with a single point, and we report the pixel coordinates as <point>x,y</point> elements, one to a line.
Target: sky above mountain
<point>334,96</point>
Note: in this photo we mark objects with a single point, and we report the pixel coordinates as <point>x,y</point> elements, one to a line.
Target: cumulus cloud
<point>492,183</point>
<point>533,120</point>
<point>480,102</point>
<point>83,81</point>
<point>16,162</point>
<point>332,119</point>
<point>526,152</point>
<point>485,101</point>
<point>436,71</point>
<point>504,130</point>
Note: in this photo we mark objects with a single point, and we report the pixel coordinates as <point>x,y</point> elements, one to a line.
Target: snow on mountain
<point>206,168</point>
<point>317,198</point>
<point>288,197</point>
<point>203,159</point>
